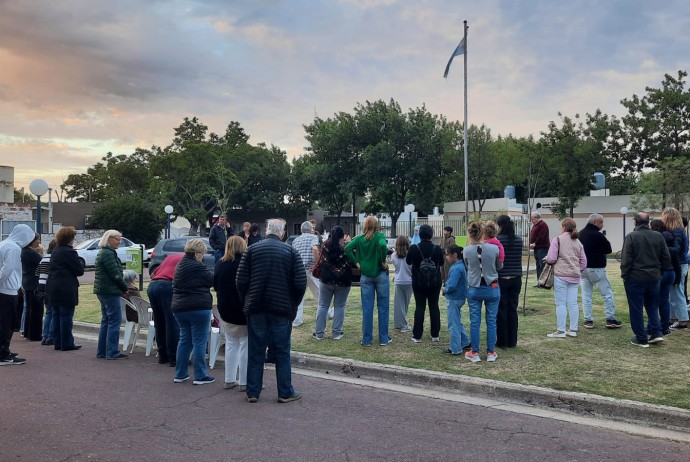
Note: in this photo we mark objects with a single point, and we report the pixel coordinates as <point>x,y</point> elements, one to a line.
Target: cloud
<point>82,78</point>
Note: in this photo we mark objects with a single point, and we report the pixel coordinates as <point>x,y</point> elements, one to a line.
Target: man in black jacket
<point>220,232</point>
<point>597,247</point>
<point>644,256</point>
<point>271,282</point>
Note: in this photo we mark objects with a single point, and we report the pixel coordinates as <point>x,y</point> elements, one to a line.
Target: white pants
<point>313,284</point>
<point>235,353</point>
<point>566,303</point>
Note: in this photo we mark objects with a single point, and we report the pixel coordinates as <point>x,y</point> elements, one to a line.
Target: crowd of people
<point>261,282</point>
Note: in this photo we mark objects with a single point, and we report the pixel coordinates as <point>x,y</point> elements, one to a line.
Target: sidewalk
<point>583,404</point>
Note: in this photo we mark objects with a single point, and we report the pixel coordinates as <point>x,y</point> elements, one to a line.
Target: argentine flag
<point>459,50</point>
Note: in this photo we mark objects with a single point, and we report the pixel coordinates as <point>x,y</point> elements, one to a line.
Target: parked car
<point>167,247</point>
<point>88,250</point>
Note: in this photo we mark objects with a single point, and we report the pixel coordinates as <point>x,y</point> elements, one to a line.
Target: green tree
<point>401,155</point>
<point>21,197</point>
<point>572,159</point>
<point>669,184</point>
<point>657,126</point>
<point>133,216</point>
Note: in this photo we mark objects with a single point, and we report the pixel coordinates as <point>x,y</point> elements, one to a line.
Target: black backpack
<point>428,276</point>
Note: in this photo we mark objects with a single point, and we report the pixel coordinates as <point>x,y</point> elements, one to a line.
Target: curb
<point>582,404</point>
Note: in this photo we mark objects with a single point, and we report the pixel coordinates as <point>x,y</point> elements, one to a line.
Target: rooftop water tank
<point>509,192</point>
<point>599,181</point>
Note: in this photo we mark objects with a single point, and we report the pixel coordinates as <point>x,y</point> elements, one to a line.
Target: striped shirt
<point>303,244</point>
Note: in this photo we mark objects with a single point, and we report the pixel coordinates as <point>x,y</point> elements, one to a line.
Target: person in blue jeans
<point>271,281</point>
<point>191,306</point>
<point>455,291</point>
<point>109,286</point>
<point>481,260</point>
<point>368,252</point>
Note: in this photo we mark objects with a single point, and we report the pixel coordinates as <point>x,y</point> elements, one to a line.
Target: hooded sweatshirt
<point>11,260</point>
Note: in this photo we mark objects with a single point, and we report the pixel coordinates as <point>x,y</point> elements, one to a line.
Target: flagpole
<point>465,134</point>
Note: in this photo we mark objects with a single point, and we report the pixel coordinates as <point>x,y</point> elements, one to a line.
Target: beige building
<point>608,206</point>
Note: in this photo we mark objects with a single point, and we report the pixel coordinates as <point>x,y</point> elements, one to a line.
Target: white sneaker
<point>571,333</point>
<point>297,323</point>
<point>416,340</point>
<point>435,339</point>
<point>556,334</point>
<point>337,337</point>
<point>331,312</point>
<point>405,329</point>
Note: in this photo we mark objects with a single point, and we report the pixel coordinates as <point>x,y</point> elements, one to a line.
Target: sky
<point>81,78</point>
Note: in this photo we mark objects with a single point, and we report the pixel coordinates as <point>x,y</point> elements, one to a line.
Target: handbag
<point>547,274</point>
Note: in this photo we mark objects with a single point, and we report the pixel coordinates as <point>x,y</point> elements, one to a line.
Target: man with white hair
<point>596,248</point>
<point>307,245</point>
<point>10,283</point>
<point>270,284</point>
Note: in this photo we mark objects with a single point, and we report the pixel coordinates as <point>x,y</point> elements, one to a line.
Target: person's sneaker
<point>12,360</point>
<point>448,351</point>
<point>337,336</point>
<point>204,381</point>
<point>472,356</point>
<point>119,356</point>
<point>467,348</point>
<point>491,357</point>
<point>613,324</point>
<point>316,337</point>
<point>571,333</point>
<point>677,326</point>
<point>390,340</point>
<point>180,379</point>
<point>365,344</point>
<point>435,339</point>
<point>230,385</point>
<point>667,332</point>
<point>588,324</point>
<point>252,399</point>
<point>331,312</point>
<point>405,329</point>
<point>416,340</point>
<point>297,323</point>
<point>556,334</point>
<point>636,342</point>
<point>14,355</point>
<point>100,356</point>
<point>654,340</point>
<point>297,395</point>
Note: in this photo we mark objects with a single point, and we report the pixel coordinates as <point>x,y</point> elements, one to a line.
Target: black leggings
<point>422,296</point>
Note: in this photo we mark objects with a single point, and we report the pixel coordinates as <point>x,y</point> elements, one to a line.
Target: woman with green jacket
<point>368,252</point>
<point>109,286</point>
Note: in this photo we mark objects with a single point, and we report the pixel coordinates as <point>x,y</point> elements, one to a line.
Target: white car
<point>88,250</point>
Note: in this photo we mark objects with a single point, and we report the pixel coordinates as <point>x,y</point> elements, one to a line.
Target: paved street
<point>69,406</point>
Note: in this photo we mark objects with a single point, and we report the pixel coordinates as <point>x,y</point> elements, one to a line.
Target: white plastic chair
<point>215,339</point>
<point>129,325</point>
<point>144,313</point>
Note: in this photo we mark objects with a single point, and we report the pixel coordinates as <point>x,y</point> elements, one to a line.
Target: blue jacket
<point>456,284</point>
<point>680,239</point>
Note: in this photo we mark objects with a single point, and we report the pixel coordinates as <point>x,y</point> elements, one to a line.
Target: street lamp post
<point>38,188</point>
<point>624,212</point>
<point>168,210</point>
<point>409,208</point>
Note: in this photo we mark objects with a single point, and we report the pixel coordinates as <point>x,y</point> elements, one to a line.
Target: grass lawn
<point>598,361</point>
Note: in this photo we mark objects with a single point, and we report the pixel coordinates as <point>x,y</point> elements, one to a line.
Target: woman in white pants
<point>231,314</point>
<point>568,257</point>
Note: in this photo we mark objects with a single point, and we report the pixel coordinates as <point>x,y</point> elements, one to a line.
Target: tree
<point>571,161</point>
<point>21,197</point>
<point>657,125</point>
<point>400,155</point>
<point>329,174</point>
<point>132,216</point>
<point>669,184</point>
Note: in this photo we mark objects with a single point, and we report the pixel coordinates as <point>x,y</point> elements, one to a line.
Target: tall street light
<point>38,188</point>
<point>624,212</point>
<point>168,210</point>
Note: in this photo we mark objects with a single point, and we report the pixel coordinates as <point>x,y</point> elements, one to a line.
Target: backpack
<point>428,276</point>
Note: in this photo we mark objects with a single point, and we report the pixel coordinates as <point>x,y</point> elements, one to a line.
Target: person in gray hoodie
<point>10,283</point>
